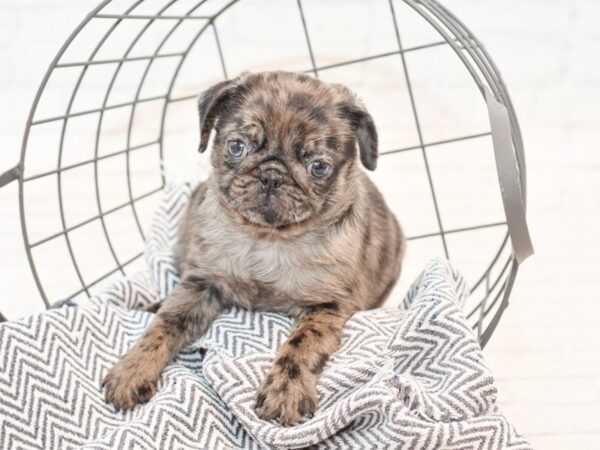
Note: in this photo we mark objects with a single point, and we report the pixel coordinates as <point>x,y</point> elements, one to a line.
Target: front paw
<point>127,385</point>
<point>287,398</point>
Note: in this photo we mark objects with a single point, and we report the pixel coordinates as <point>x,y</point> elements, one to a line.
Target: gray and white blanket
<point>410,378</point>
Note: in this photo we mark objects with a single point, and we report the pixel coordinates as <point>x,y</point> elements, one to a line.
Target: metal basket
<point>78,127</point>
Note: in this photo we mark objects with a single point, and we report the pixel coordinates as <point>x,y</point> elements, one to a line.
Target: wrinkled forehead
<point>288,111</point>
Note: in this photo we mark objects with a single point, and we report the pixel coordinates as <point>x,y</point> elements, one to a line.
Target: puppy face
<point>285,146</point>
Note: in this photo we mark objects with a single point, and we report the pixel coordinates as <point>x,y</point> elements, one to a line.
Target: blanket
<point>406,378</point>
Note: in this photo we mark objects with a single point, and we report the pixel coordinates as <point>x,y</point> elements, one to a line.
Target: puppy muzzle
<point>270,180</point>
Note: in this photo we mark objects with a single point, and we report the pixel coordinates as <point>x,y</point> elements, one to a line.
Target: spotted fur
<point>265,234</point>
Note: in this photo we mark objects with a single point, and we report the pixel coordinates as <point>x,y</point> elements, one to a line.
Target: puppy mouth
<point>279,208</point>
<point>269,197</point>
<point>268,217</point>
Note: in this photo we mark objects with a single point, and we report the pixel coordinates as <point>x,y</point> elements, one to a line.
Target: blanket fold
<point>409,378</point>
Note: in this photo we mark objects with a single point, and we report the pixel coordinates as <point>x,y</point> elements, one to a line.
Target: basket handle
<point>5,178</point>
<point>10,175</point>
<point>507,166</point>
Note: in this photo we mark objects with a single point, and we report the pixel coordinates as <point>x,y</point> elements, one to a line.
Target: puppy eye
<point>319,169</point>
<point>236,148</point>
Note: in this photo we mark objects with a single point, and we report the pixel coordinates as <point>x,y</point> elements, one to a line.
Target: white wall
<point>546,352</point>
<point>31,32</point>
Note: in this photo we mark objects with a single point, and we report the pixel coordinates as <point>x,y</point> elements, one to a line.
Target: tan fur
<point>317,249</point>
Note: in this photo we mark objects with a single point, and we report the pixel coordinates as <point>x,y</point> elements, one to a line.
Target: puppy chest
<point>284,267</point>
<point>279,266</point>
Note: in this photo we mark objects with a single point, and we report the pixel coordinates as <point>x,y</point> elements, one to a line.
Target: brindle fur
<point>316,249</point>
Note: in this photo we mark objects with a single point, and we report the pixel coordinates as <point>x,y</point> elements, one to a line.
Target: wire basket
<point>115,113</point>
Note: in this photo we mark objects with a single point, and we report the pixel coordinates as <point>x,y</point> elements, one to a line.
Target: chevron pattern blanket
<point>410,378</point>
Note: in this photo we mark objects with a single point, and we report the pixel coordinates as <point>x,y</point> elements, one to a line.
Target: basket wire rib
<point>419,131</point>
<point>496,288</point>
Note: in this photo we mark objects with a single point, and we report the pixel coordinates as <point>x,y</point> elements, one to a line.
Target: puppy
<point>287,222</point>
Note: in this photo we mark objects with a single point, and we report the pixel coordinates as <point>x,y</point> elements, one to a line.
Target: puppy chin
<point>271,217</point>
<point>268,217</point>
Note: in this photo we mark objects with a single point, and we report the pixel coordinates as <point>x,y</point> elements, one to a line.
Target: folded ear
<point>364,131</point>
<point>210,105</point>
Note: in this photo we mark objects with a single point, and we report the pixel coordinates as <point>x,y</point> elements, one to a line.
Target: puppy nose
<point>271,180</point>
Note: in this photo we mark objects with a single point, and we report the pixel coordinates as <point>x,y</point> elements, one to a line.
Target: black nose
<point>271,180</point>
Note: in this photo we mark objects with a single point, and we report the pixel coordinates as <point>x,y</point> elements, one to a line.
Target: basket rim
<point>463,41</point>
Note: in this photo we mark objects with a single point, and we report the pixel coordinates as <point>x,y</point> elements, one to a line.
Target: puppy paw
<point>151,307</point>
<point>127,385</point>
<point>287,398</point>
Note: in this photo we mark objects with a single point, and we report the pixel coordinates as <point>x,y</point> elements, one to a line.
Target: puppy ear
<point>366,135</point>
<point>210,104</point>
<point>364,131</point>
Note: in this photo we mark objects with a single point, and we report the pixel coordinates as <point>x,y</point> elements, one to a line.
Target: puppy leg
<point>183,317</point>
<point>290,389</point>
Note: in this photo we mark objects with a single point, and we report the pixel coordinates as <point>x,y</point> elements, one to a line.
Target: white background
<point>546,352</point>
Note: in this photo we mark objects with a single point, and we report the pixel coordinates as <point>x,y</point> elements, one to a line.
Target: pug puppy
<point>287,222</point>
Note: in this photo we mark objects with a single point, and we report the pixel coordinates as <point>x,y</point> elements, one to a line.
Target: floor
<point>545,353</point>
